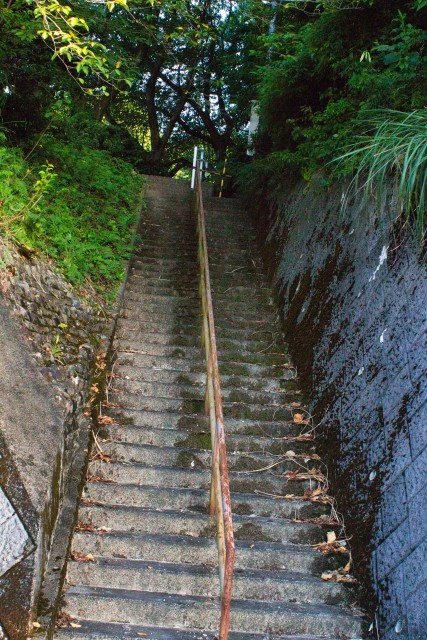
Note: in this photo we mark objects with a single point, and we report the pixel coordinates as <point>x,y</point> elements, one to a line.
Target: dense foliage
<point>329,69</point>
<point>90,90</point>
<point>332,75</point>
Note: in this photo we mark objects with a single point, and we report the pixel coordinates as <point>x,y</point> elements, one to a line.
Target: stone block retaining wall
<point>49,338</point>
<point>353,296</point>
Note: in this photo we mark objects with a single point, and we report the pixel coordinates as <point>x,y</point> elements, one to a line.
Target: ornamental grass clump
<point>394,146</point>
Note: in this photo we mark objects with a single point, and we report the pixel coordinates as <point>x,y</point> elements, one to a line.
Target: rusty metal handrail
<point>220,500</point>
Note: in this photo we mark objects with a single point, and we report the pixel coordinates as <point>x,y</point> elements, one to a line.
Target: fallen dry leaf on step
<point>345,569</point>
<point>90,502</point>
<point>36,625</point>
<point>92,478</point>
<point>101,456</point>
<point>317,495</point>
<point>322,520</point>
<point>334,576</point>
<point>105,420</point>
<point>331,548</point>
<point>81,557</point>
<point>63,620</point>
<point>74,625</point>
<point>303,437</point>
<point>298,418</point>
<point>331,536</point>
<point>89,528</point>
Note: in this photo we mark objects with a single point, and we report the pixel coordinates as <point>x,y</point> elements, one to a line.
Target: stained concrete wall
<point>48,341</point>
<point>353,296</point>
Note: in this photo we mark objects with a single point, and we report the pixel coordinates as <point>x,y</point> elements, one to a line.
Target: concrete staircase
<point>144,558</point>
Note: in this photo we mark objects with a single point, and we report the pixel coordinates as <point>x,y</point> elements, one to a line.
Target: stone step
<point>242,276</point>
<point>137,358</point>
<point>194,355</point>
<point>135,331</point>
<point>200,551</point>
<point>165,242</point>
<point>200,580</point>
<point>176,308</point>
<point>258,303</point>
<point>197,423</point>
<point>164,251</point>
<point>170,286</point>
<point>216,244</point>
<point>178,266</point>
<point>181,391</point>
<point>126,344</point>
<point>192,523</point>
<point>140,495</point>
<point>198,380</point>
<point>167,264</point>
<point>90,630</point>
<point>191,406</point>
<point>192,477</point>
<point>176,456</point>
<point>191,316</point>
<point>172,263</point>
<point>165,325</point>
<point>168,304</point>
<point>188,439</point>
<point>160,609</point>
<point>163,287</point>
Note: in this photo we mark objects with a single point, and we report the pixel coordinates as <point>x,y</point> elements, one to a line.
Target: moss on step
<point>307,535</point>
<point>242,509</point>
<point>177,353</point>
<point>120,418</point>
<point>245,463</point>
<point>257,412</point>
<point>189,460</point>
<point>201,440</point>
<point>188,423</point>
<point>192,405</point>
<point>186,380</point>
<point>288,385</point>
<point>209,531</point>
<point>252,531</point>
<point>248,485</point>
<point>278,447</point>
<point>254,358</point>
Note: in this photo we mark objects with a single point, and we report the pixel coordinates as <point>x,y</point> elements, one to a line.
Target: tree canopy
<point>142,81</point>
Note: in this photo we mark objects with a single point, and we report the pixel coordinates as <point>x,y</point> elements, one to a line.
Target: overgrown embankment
<point>352,292</point>
<point>73,204</point>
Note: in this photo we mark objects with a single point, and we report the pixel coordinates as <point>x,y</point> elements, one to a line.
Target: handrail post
<point>194,170</point>
<point>220,500</point>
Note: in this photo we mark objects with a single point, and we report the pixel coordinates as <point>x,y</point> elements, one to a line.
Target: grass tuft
<point>394,145</point>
